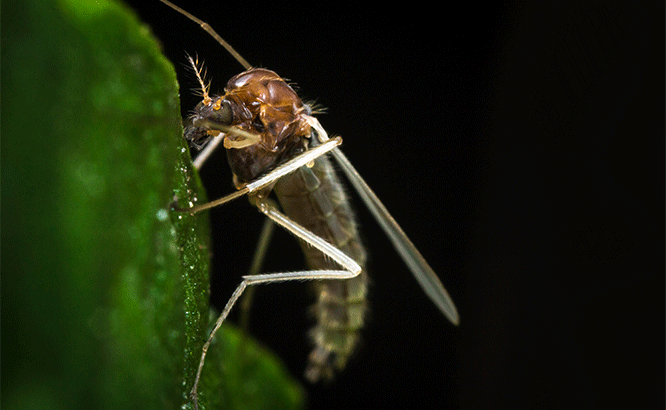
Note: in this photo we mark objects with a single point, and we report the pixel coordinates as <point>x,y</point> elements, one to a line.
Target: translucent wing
<point>423,273</point>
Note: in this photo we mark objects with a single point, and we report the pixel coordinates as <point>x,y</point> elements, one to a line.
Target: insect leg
<point>255,268</point>
<point>212,32</point>
<point>206,152</point>
<point>416,263</point>
<point>242,139</point>
<point>269,208</point>
<point>282,170</point>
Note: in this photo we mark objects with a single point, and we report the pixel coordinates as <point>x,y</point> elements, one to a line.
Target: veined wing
<point>423,273</point>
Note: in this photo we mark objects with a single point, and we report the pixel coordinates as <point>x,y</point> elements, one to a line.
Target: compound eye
<point>222,112</point>
<point>213,117</point>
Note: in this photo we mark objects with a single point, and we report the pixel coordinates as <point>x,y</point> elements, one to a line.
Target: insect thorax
<point>260,102</point>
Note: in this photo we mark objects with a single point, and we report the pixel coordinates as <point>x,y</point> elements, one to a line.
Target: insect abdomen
<point>314,198</point>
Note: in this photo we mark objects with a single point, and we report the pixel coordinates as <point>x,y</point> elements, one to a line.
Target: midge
<point>275,144</point>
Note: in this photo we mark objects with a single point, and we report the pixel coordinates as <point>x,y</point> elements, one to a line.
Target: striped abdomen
<point>314,198</point>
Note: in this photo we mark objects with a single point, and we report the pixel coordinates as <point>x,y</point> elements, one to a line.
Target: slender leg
<point>212,145</point>
<point>206,152</point>
<point>267,207</point>
<point>424,274</point>
<point>284,169</point>
<point>212,32</point>
<point>255,269</point>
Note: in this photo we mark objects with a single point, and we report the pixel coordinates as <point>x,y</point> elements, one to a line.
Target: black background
<point>521,148</point>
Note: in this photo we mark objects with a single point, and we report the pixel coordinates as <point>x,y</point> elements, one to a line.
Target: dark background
<point>521,148</point>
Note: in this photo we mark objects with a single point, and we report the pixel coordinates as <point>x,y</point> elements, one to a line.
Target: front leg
<point>269,208</point>
<point>282,170</point>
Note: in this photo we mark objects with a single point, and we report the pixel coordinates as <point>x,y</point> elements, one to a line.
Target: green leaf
<point>104,289</point>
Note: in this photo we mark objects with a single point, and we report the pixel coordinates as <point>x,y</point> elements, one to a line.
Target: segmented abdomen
<point>314,198</point>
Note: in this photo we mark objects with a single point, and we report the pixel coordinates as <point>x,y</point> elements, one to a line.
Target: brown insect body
<point>315,198</point>
<point>275,144</point>
<point>258,101</point>
<point>261,102</point>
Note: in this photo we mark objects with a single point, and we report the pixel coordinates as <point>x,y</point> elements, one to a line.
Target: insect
<point>275,144</point>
